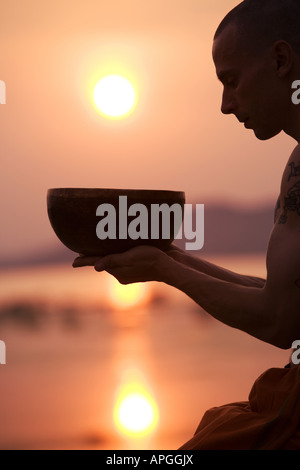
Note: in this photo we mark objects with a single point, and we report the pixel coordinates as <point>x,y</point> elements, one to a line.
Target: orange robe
<point>270,420</point>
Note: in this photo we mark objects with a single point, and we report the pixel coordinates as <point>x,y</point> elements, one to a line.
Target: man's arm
<point>206,267</point>
<point>198,264</point>
<point>271,313</point>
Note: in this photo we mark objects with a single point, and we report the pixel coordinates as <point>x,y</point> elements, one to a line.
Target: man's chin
<point>266,134</point>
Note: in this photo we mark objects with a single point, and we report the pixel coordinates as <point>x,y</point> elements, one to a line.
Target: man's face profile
<point>251,88</point>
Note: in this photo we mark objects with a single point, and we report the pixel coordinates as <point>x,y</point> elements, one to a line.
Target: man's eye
<point>232,82</point>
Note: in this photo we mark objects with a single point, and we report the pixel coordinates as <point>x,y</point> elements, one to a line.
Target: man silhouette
<point>256,51</point>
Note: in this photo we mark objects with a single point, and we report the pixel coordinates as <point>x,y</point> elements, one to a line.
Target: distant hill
<point>227,230</point>
<point>50,255</point>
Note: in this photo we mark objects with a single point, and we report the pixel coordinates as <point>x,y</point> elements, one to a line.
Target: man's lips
<point>243,121</point>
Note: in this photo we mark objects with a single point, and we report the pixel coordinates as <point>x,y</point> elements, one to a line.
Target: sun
<point>114,96</point>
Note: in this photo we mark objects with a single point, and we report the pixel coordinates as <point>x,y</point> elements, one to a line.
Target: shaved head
<point>260,23</point>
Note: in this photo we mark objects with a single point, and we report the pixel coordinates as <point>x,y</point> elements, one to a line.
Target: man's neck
<point>293,126</point>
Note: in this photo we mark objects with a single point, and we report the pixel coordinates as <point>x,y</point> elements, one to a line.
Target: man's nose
<point>228,104</point>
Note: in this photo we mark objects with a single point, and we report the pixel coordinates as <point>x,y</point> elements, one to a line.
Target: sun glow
<point>135,412</point>
<point>114,96</point>
<point>126,296</point>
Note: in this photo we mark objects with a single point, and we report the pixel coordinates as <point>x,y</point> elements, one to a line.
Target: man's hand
<point>140,264</point>
<point>146,254</point>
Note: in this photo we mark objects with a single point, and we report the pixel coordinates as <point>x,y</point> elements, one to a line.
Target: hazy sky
<point>51,52</point>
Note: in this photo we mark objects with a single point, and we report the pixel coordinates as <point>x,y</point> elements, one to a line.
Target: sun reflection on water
<point>135,412</point>
<point>124,296</point>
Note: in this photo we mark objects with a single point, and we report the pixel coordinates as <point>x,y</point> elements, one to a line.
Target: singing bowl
<point>72,214</point>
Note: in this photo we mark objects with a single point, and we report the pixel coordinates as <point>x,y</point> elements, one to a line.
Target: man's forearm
<point>217,272</point>
<point>235,305</point>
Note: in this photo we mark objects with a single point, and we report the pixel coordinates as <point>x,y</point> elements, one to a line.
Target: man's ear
<point>283,59</point>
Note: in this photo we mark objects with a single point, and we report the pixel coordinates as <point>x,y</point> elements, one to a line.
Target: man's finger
<point>109,261</point>
<point>99,266</point>
<point>85,261</point>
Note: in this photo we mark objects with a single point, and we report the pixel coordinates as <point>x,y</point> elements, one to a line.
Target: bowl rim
<point>91,192</point>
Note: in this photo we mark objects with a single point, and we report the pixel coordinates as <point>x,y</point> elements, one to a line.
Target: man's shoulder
<point>292,169</point>
<point>295,157</point>
<point>290,188</point>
